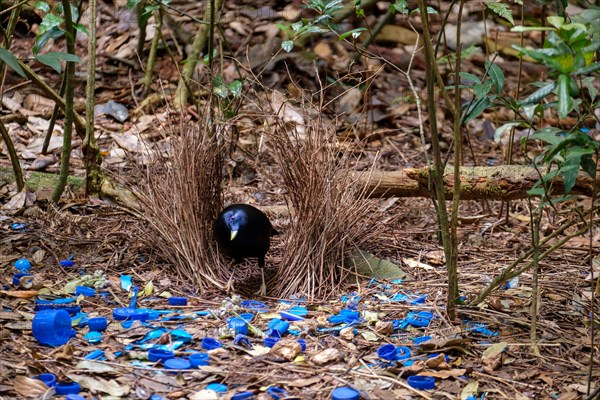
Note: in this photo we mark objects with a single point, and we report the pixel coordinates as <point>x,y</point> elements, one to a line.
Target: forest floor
<point>486,353</point>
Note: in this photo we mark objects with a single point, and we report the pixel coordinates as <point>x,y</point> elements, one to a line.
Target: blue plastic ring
<point>421,382</point>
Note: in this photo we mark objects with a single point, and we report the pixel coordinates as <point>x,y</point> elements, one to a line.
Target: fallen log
<point>505,182</point>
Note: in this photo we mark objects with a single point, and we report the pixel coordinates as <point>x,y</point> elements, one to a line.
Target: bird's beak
<point>233,235</point>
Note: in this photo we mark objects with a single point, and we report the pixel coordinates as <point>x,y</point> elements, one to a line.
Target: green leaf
<point>9,59</point>
<point>588,165</point>
<point>565,101</point>
<point>80,28</point>
<point>54,58</point>
<point>477,108</point>
<point>540,94</point>
<point>588,83</point>
<point>481,90</point>
<point>503,128</point>
<point>496,75</point>
<point>537,191</point>
<point>501,10</point>
<point>548,135</point>
<point>287,45</point>
<point>235,88</point>
<point>219,87</point>
<point>570,168</point>
<point>555,21</point>
<point>466,77</point>
<point>42,6</point>
<point>354,32</point>
<point>521,28</point>
<point>587,69</point>
<point>50,21</point>
<point>132,4</point>
<point>400,6</point>
<point>41,40</point>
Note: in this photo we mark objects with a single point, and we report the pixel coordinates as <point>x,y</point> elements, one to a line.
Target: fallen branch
<point>506,182</point>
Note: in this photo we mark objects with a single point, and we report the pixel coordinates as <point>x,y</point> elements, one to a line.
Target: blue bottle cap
<point>247,316</point>
<point>402,353</point>
<point>238,325</point>
<point>217,387</point>
<point>63,388</point>
<point>48,379</point>
<point>52,327</point>
<point>302,343</point>
<point>421,382</point>
<point>255,306</point>
<point>84,290</point>
<point>156,354</point>
<point>344,393</point>
<point>336,319</point>
<point>93,337</point>
<point>387,352</point>
<point>276,393</point>
<point>279,329</point>
<point>288,316</point>
<point>178,301</point>
<point>16,279</point>
<point>421,339</point>
<point>97,324</point>
<point>177,363</point>
<point>209,343</point>
<point>131,314</point>
<point>270,341</point>
<point>299,311</point>
<point>67,263</point>
<point>199,359</point>
<point>74,397</point>
<point>243,395</point>
<point>23,264</point>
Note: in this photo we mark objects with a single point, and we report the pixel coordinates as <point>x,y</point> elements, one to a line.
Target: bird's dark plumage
<point>243,231</point>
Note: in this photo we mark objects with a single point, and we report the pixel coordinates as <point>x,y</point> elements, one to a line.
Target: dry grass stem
<point>181,198</point>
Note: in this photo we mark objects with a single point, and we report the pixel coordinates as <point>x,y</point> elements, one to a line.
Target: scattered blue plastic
<point>96,355</point>
<point>243,395</point>
<point>17,279</point>
<point>98,324</point>
<point>209,343</point>
<point>68,263</point>
<point>52,327</point>
<point>481,329</point>
<point>48,379</point>
<point>277,327</point>
<point>255,306</point>
<point>389,352</point>
<point>421,339</point>
<point>276,393</point>
<point>66,304</point>
<point>93,337</point>
<point>22,265</point>
<point>19,226</point>
<point>64,388</point>
<point>238,325</point>
<point>270,341</point>
<point>217,387</point>
<point>199,359</point>
<point>159,355</point>
<point>178,301</point>
<point>243,340</point>
<point>130,314</point>
<point>126,283</point>
<point>345,393</point>
<point>86,291</point>
<point>421,382</point>
<point>177,363</point>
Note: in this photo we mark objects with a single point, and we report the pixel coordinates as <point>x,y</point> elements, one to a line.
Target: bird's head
<point>234,220</point>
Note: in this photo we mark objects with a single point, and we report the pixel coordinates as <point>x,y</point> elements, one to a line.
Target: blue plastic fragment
<point>97,324</point>
<point>96,355</point>
<point>159,355</point>
<point>421,382</point>
<point>270,341</point>
<point>134,296</point>
<point>217,387</point>
<point>130,314</point>
<point>68,263</point>
<point>52,327</point>
<point>302,344</point>
<point>84,290</point>
<point>255,306</point>
<point>247,317</point>
<point>181,335</point>
<point>126,282</point>
<point>243,395</point>
<point>150,335</point>
<point>482,329</point>
<point>277,328</point>
<point>336,319</point>
<point>48,379</point>
<point>19,227</point>
<point>402,353</point>
<point>420,319</point>
<point>178,301</point>
<point>177,363</point>
<point>64,388</point>
<point>72,396</point>
<point>291,316</point>
<point>17,278</point>
<point>209,343</point>
<point>387,352</point>
<point>93,337</point>
<point>344,393</point>
<point>421,339</point>
<point>155,397</point>
<point>243,340</point>
<point>22,265</point>
<point>238,325</point>
<point>199,359</point>
<point>276,393</point>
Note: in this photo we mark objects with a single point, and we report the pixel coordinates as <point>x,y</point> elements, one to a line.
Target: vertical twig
<point>69,116</point>
<point>149,75</point>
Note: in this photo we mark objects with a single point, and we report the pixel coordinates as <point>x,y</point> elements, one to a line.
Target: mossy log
<point>506,182</point>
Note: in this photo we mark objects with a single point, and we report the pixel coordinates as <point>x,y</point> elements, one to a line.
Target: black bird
<point>244,231</point>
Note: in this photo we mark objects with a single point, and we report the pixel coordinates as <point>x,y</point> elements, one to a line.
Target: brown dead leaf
<point>326,356</point>
<point>303,382</point>
<point>492,357</point>
<point>396,34</point>
<point>101,385</point>
<point>323,50</point>
<point>21,294</point>
<point>437,362</point>
<point>384,328</point>
<point>28,387</point>
<point>453,373</point>
<point>286,349</point>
